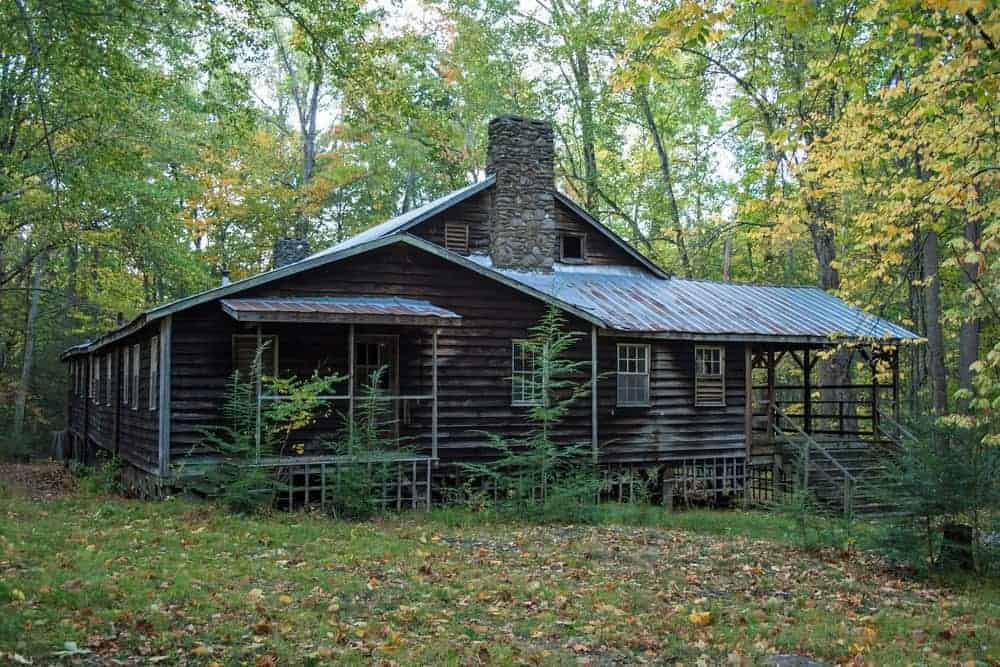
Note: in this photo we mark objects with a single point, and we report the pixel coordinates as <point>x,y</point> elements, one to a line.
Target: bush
<point>944,490</point>
<point>534,477</point>
<point>232,476</point>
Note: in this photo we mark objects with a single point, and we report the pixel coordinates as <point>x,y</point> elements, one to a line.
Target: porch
<point>822,418</point>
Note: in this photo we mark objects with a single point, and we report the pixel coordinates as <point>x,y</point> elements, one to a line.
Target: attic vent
<point>456,238</point>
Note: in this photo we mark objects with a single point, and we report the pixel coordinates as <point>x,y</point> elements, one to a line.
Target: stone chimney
<point>288,251</point>
<point>522,222</point>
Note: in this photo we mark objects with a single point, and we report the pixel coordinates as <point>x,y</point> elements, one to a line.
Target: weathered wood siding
<point>474,367</point>
<point>116,427</point>
<point>475,212</point>
<point>671,427</point>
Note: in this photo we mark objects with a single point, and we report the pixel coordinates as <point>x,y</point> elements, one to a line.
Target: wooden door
<point>377,356</point>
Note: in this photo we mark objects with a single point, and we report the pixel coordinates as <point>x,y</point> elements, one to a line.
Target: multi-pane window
<point>134,380</point>
<point>154,372</point>
<point>633,374</point>
<point>526,385</point>
<point>126,376</point>
<point>709,375</point>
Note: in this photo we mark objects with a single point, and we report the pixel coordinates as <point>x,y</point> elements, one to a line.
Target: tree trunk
<point>968,336</point>
<point>668,182</point>
<point>727,257</point>
<point>27,361</point>
<point>935,341</point>
<point>917,353</point>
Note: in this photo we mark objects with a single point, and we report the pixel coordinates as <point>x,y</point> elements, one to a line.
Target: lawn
<point>92,579</point>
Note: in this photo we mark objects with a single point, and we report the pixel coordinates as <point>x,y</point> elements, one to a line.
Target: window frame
<point>700,376</point>
<point>647,352</point>
<point>126,392</point>
<point>465,230</point>
<point>136,368</point>
<point>521,401</point>
<point>154,373</point>
<point>583,248</point>
<point>108,376</point>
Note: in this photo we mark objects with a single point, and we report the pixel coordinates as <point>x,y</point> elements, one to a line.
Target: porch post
<point>257,383</point>
<point>593,392</point>
<point>807,391</point>
<point>350,379</point>
<point>434,394</point>
<point>875,408</point>
<point>771,395</point>
<point>895,383</point>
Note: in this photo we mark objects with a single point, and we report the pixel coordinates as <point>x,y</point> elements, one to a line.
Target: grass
<point>180,582</point>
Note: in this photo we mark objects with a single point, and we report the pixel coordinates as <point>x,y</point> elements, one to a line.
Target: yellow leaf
<point>285,599</point>
<point>700,618</point>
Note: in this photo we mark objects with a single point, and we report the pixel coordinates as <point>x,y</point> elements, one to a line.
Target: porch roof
<point>348,310</point>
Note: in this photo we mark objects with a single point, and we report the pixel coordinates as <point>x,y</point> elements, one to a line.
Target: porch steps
<point>857,469</point>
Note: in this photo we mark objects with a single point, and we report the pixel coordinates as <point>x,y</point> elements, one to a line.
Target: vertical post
<point>875,413</point>
<point>257,386</point>
<point>350,379</point>
<point>747,418</point>
<point>166,327</point>
<point>593,393</point>
<point>895,383</point>
<point>770,396</point>
<point>806,391</point>
<point>434,395</point>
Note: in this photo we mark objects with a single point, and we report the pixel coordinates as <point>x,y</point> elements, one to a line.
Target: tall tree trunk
<point>932,313</point>
<point>668,182</point>
<point>27,361</point>
<point>917,354</point>
<point>727,257</point>
<point>968,336</point>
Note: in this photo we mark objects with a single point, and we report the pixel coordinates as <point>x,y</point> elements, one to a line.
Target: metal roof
<point>630,300</point>
<point>341,308</point>
<point>411,218</point>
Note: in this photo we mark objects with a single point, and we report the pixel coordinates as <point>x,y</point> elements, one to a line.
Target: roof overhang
<point>341,310</point>
<point>760,339</point>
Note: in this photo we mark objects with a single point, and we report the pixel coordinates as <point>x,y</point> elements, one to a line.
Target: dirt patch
<point>38,481</point>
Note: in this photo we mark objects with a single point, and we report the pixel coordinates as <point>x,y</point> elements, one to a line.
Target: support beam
<point>258,391</point>
<point>771,395</point>
<point>806,391</point>
<point>166,327</point>
<point>593,393</point>
<point>434,393</point>
<point>350,379</point>
<point>747,419</point>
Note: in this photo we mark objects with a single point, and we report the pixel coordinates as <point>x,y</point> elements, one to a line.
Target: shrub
<point>944,490</point>
<point>534,476</point>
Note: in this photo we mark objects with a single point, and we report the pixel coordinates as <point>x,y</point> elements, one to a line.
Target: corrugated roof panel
<point>634,301</point>
<point>362,305</point>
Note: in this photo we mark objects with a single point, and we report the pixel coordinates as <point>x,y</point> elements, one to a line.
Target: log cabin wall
<point>104,421</point>
<point>671,427</point>
<point>474,359</point>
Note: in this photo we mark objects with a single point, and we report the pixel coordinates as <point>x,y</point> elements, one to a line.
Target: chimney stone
<point>289,251</point>
<point>521,154</point>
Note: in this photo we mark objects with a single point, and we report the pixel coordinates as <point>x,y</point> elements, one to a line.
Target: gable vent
<point>456,238</point>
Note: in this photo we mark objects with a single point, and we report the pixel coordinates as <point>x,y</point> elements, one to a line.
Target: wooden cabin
<point>692,376</point>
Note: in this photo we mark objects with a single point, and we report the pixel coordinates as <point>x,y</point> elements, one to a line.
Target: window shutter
<point>154,372</point>
<point>710,376</point>
<point>456,238</point>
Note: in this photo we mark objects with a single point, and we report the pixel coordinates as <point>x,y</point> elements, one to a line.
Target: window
<point>633,374</point>
<point>92,385</point>
<point>126,376</point>
<point>573,247</point>
<point>245,350</point>
<point>709,376</point>
<point>154,372</point>
<point>136,357</point>
<point>525,382</point>
<point>108,358</point>
<point>456,238</point>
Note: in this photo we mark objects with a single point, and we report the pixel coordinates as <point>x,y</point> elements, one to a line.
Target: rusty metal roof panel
<point>361,305</point>
<point>635,301</point>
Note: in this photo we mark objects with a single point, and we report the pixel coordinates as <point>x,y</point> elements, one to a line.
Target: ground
<point>91,579</point>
